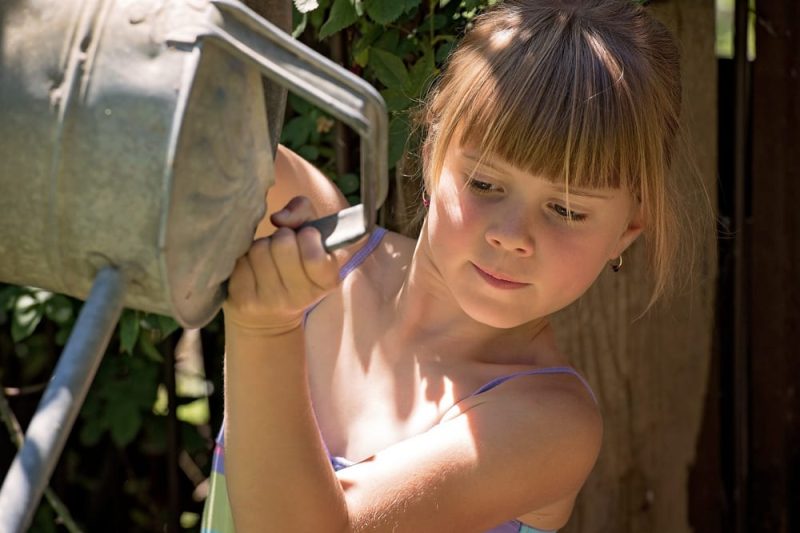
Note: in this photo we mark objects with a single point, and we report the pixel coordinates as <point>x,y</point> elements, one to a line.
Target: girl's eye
<point>480,187</point>
<point>563,212</point>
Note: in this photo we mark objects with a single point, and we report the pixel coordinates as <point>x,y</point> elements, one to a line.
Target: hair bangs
<point>568,118</point>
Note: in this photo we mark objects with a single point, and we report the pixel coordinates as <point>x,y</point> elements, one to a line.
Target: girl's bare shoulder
<point>522,449</point>
<point>294,176</point>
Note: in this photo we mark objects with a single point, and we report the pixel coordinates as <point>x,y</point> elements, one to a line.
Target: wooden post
<point>650,374</point>
<point>774,467</point>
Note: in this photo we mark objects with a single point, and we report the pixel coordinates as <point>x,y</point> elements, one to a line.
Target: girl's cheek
<point>470,209</point>
<point>455,207</point>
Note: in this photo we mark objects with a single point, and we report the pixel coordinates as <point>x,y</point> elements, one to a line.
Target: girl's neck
<point>425,313</point>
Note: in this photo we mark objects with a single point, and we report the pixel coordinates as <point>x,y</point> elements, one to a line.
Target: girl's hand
<point>281,275</point>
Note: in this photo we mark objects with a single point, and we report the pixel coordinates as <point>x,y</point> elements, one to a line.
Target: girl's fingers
<point>320,267</point>
<point>265,271</point>
<point>286,256</point>
<point>281,275</point>
<point>242,281</point>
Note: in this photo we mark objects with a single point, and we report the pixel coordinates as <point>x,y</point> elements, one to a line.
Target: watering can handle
<point>336,90</point>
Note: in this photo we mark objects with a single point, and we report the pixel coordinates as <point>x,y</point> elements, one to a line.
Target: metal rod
<point>17,437</point>
<point>741,364</point>
<point>59,406</point>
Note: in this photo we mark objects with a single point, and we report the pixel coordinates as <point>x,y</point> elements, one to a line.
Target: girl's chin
<point>497,318</point>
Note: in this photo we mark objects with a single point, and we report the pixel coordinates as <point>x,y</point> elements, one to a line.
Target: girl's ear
<point>632,231</point>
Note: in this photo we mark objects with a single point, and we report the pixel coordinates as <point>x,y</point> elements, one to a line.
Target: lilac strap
<point>359,257</point>
<point>547,370</point>
<point>355,261</point>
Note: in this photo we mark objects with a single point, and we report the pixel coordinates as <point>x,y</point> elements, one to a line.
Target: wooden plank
<point>651,374</point>
<point>775,289</point>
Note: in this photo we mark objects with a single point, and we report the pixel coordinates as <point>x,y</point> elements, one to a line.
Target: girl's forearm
<point>278,473</point>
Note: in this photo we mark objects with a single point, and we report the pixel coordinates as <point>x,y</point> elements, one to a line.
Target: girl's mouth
<point>498,281</point>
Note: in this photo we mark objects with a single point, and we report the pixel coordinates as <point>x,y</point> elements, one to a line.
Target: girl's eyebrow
<point>572,191</point>
<point>582,192</point>
<point>482,162</point>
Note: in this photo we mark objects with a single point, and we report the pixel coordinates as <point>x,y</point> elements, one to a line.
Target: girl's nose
<point>512,236</point>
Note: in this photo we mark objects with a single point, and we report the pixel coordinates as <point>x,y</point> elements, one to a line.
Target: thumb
<point>298,211</point>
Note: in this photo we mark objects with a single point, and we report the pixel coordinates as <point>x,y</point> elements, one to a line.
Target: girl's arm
<point>278,475</point>
<point>294,176</point>
<point>522,446</point>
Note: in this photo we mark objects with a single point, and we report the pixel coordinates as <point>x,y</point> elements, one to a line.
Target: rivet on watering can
<point>107,112</point>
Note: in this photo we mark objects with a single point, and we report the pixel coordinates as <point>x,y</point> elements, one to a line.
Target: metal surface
<point>321,81</point>
<point>48,430</point>
<point>133,134</point>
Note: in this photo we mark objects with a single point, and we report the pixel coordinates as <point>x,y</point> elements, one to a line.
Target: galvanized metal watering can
<point>134,161</point>
<point>133,135</point>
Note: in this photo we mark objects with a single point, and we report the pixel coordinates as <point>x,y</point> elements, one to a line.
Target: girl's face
<point>503,244</point>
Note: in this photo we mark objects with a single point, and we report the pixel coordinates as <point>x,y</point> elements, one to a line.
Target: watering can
<point>134,161</point>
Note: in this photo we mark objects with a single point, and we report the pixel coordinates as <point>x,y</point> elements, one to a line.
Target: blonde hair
<point>587,92</point>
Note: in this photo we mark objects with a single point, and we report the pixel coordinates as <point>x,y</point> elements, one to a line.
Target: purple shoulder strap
<point>547,370</point>
<point>355,261</point>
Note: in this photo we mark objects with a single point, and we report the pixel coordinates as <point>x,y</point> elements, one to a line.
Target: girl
<point>415,386</point>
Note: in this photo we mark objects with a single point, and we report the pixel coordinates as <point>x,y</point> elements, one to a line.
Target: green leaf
<point>297,131</point>
<point>59,309</point>
<point>398,135</point>
<point>167,325</point>
<point>27,315</point>
<point>361,57</point>
<point>396,99</point>
<point>439,21</point>
<point>421,73</point>
<point>91,432</point>
<point>195,412</point>
<point>304,6</point>
<point>348,183</point>
<point>308,152</point>
<point>8,295</point>
<point>128,330</point>
<point>385,11</point>
<point>389,68</point>
<point>124,422</point>
<point>443,51</point>
<point>342,15</point>
<point>149,350</point>
<point>388,41</point>
<point>301,105</point>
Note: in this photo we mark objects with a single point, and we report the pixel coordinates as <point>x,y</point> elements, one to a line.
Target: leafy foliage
<point>397,45</point>
<point>120,418</point>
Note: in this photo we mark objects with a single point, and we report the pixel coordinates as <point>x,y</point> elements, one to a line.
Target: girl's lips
<point>498,282</point>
